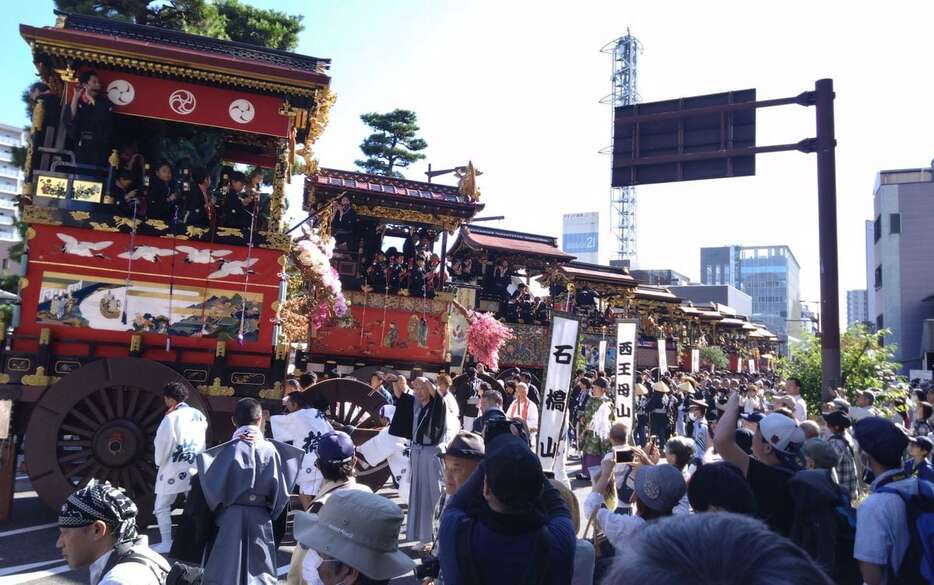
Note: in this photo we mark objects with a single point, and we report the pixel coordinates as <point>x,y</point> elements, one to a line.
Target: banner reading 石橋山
<point>662,357</point>
<point>554,412</point>
<point>625,370</point>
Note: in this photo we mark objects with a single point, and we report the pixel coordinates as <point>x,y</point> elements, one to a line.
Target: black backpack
<point>124,553</point>
<point>534,575</point>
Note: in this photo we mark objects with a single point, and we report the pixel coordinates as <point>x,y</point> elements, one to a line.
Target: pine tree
<point>393,145</point>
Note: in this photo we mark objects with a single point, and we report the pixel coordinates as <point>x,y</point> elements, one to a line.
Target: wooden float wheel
<point>99,422</point>
<point>356,404</point>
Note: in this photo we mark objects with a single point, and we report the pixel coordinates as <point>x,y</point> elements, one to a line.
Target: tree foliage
<point>714,355</point>
<point>864,363</point>
<point>394,145</point>
<point>219,19</point>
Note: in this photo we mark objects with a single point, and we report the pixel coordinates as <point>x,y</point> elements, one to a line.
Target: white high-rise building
<point>11,180</point>
<point>857,307</point>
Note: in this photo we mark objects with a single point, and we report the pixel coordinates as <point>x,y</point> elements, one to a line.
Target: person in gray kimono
<point>246,483</point>
<point>422,418</point>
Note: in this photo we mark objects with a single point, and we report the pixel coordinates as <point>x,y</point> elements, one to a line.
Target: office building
<point>870,269</point>
<point>903,253</point>
<point>722,294</point>
<point>857,307</point>
<point>768,274</point>
<point>11,180</point>
<point>581,236</point>
<point>661,277</point>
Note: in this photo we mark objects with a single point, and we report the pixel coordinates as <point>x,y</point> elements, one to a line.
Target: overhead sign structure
<point>714,136</point>
<point>553,421</point>
<point>662,142</point>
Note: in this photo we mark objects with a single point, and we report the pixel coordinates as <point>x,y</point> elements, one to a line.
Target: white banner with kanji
<point>695,360</point>
<point>601,364</point>
<point>625,370</point>
<point>560,360</point>
<point>662,357</point>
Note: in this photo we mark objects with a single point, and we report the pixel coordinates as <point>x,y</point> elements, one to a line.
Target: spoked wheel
<point>354,403</point>
<point>99,422</point>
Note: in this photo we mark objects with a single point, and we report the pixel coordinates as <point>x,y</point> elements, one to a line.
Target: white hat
<point>781,432</point>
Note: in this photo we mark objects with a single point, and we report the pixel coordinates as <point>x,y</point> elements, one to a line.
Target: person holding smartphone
<point>89,121</point>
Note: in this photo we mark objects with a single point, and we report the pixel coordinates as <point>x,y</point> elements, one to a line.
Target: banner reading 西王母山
<point>554,410</point>
<point>625,370</point>
<point>695,360</point>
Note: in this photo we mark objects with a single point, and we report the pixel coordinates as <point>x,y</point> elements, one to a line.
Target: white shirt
<point>452,417</point>
<point>801,408</point>
<point>617,527</point>
<point>127,573</point>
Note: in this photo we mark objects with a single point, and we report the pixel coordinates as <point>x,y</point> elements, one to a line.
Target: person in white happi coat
<point>179,440</point>
<point>394,450</point>
<point>302,427</point>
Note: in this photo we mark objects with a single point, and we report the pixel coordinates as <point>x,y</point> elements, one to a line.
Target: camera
<point>429,569</point>
<point>503,426</point>
<point>624,455</point>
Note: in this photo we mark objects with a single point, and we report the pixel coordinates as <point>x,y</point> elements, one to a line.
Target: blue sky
<point>515,86</point>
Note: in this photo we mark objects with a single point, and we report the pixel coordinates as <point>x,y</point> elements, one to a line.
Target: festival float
<point>115,303</point>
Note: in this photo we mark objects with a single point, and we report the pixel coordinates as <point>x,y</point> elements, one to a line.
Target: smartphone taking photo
<point>624,455</point>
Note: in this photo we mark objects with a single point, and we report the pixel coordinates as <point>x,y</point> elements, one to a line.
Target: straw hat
<point>661,387</point>
<point>641,390</point>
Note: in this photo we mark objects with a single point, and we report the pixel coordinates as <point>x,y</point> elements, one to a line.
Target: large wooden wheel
<point>356,404</point>
<point>99,422</point>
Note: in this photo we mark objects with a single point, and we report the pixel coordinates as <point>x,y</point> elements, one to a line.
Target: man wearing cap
<point>596,420</point>
<point>425,423</point>
<point>179,439</point>
<point>356,538</point>
<point>335,460</point>
<point>865,405</point>
<point>775,447</point>
<point>882,533</point>
<point>246,483</point>
<point>658,406</point>
<point>697,414</point>
<point>848,478</point>
<point>507,523</point>
<point>303,428</point>
<point>657,490</point>
<point>97,529</point>
<point>918,465</point>
<point>460,459</point>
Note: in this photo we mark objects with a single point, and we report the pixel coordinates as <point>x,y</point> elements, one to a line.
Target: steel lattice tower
<point>625,52</point>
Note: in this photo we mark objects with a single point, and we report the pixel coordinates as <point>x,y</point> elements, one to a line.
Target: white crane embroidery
<point>148,253</point>
<point>206,256</point>
<point>234,268</point>
<point>85,249</point>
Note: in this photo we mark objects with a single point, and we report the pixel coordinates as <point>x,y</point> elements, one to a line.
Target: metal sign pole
<point>827,221</point>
